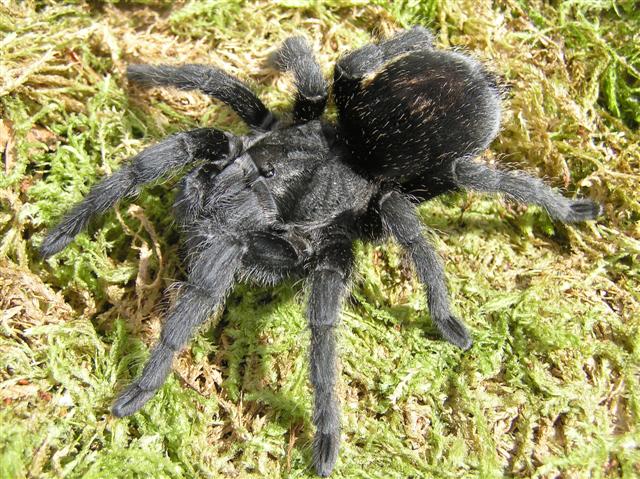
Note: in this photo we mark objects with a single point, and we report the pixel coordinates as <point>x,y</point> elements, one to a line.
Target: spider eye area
<point>267,170</point>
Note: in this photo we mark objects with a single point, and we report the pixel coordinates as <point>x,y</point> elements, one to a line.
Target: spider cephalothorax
<point>291,198</point>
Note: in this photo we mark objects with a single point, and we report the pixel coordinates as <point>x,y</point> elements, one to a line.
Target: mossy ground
<point>551,385</point>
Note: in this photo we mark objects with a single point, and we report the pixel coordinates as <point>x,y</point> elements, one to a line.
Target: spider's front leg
<point>147,166</point>
<point>266,257</point>
<point>328,286</point>
<point>209,280</point>
<point>401,221</point>
<point>522,187</point>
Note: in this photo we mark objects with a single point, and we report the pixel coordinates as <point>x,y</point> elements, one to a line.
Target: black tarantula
<point>290,198</point>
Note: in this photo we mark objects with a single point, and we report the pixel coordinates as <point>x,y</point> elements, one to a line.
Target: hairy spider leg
<point>328,282</point>
<point>213,273</point>
<point>523,188</point>
<point>223,231</point>
<point>147,166</point>
<point>208,282</point>
<point>354,66</point>
<point>212,81</point>
<point>401,221</point>
<point>416,38</point>
<point>295,56</point>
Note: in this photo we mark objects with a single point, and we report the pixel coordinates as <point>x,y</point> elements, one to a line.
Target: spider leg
<point>209,280</point>
<point>524,188</point>
<point>295,55</point>
<point>328,285</point>
<point>400,219</point>
<point>356,65</point>
<point>191,194</point>
<point>416,38</point>
<point>264,256</point>
<point>212,81</point>
<point>147,166</point>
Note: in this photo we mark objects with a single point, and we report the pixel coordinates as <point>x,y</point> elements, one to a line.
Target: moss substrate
<point>551,385</point>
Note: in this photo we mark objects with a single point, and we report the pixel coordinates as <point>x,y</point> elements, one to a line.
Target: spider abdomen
<point>416,114</point>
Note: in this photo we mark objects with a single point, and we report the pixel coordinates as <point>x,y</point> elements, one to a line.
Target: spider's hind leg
<point>368,59</point>
<point>401,221</point>
<point>522,187</point>
<point>295,55</point>
<point>416,38</point>
<point>352,68</point>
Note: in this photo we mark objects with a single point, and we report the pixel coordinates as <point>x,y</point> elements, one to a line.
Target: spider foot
<point>325,452</point>
<point>131,399</point>
<point>452,329</point>
<point>583,210</point>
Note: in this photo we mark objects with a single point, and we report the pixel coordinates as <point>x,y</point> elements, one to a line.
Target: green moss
<point>550,387</point>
